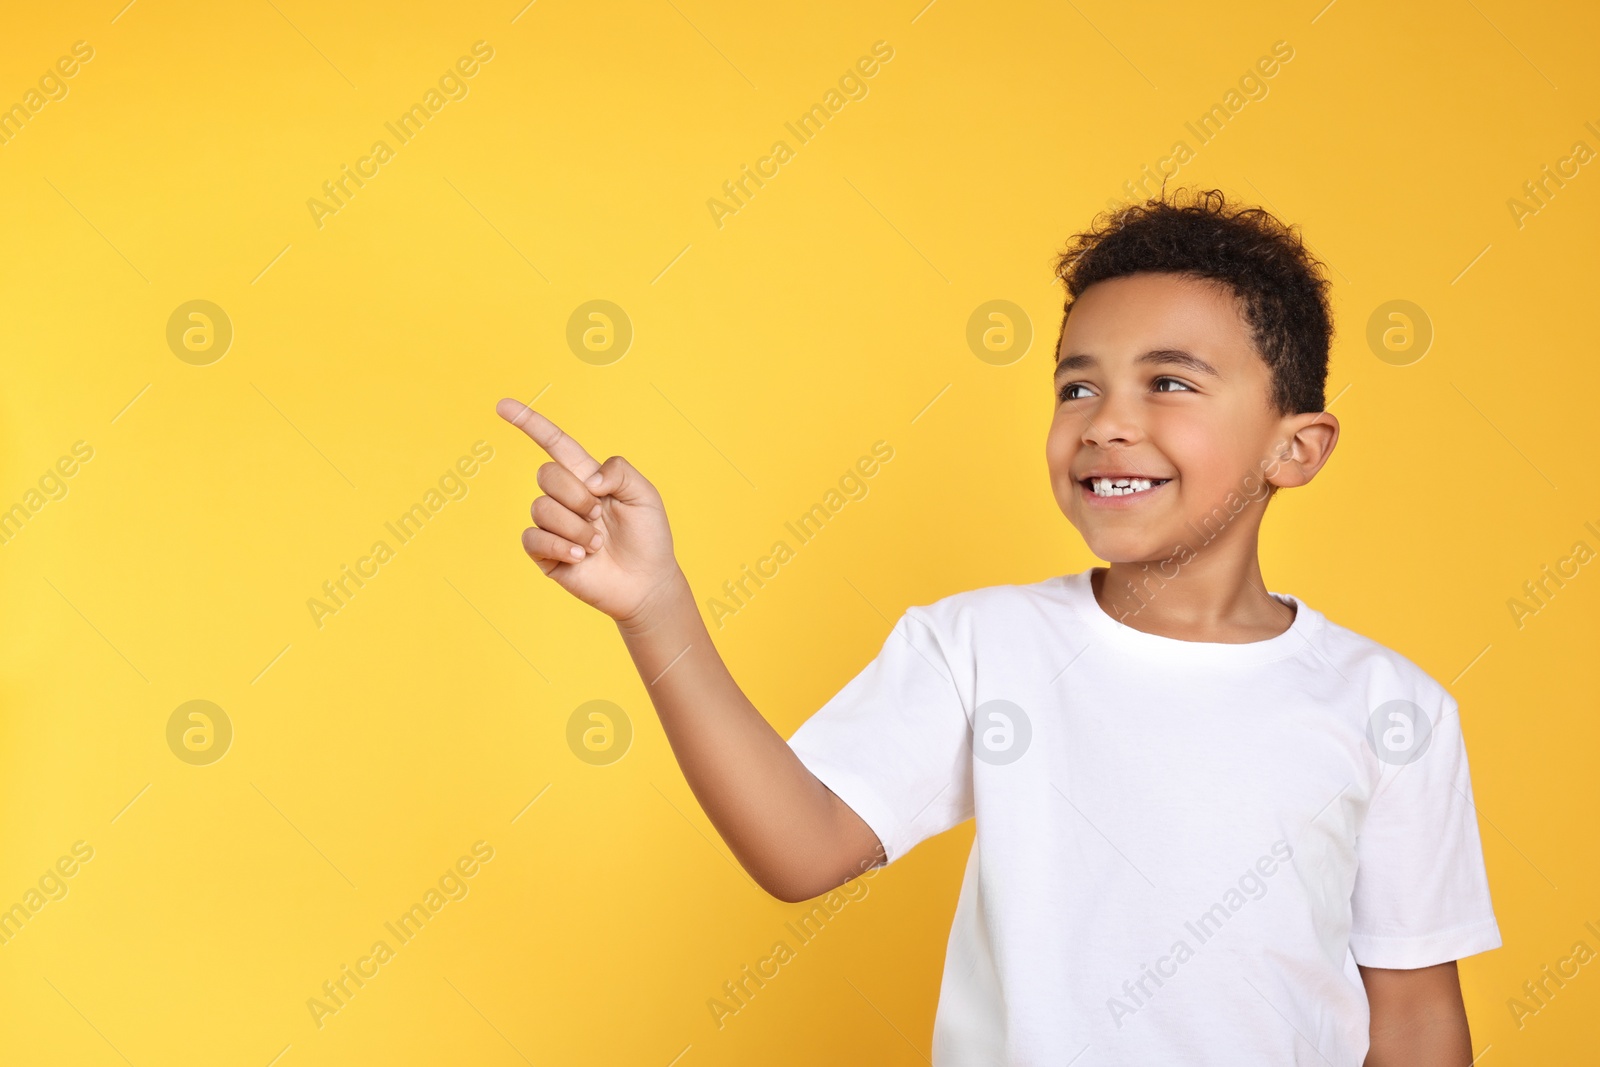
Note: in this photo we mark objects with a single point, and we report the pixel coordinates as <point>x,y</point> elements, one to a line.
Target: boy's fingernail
<point>595,514</point>
<point>594,479</point>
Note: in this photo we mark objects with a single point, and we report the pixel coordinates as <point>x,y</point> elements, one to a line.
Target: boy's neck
<point>1211,599</point>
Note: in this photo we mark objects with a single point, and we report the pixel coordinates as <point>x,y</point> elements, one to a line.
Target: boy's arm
<point>1418,1017</point>
<point>795,837</point>
<point>602,535</point>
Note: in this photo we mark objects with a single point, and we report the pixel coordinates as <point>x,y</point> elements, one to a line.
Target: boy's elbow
<point>839,847</point>
<point>799,888</point>
<point>789,892</point>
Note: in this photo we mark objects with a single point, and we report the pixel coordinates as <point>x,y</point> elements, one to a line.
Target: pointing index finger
<point>548,436</point>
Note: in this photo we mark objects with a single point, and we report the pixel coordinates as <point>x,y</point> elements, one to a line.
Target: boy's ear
<point>1305,444</point>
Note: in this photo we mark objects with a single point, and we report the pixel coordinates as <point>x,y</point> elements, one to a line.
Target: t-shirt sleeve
<point>1421,894</point>
<point>895,743</point>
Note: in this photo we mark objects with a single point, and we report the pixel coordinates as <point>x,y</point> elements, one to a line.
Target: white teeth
<point>1121,486</point>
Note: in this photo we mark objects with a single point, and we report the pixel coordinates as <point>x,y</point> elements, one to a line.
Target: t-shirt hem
<point>1406,953</point>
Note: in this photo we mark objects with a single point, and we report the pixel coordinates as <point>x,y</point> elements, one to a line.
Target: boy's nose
<point>1111,422</point>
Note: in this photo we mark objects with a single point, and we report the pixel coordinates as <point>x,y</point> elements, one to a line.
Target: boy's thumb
<point>617,478</point>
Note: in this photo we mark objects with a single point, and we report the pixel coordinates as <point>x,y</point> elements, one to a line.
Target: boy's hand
<point>795,837</point>
<point>619,523</point>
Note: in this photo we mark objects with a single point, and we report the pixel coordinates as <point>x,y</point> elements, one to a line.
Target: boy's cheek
<point>1059,451</point>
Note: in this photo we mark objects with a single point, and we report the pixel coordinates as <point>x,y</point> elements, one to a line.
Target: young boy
<point>1213,826</point>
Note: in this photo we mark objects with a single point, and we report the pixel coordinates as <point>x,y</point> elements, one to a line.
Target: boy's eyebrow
<point>1174,357</point>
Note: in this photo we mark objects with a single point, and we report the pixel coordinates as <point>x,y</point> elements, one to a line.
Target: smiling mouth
<point>1118,487</point>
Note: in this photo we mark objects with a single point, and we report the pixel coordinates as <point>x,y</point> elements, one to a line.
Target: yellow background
<point>769,354</point>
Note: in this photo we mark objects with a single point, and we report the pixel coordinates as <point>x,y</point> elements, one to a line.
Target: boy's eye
<point>1177,385</point>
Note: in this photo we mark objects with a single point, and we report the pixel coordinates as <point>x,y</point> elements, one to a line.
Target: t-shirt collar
<point>1079,595</point>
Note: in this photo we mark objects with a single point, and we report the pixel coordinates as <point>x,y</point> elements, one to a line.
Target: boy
<point>1213,826</point>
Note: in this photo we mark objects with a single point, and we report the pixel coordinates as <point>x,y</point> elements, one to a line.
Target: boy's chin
<point>1125,549</point>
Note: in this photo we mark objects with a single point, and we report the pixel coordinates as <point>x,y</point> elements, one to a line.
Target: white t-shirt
<point>1183,848</point>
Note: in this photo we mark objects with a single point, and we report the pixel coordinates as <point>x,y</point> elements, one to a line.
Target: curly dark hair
<point>1280,285</point>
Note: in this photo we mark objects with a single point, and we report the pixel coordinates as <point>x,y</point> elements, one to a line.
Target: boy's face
<point>1132,400</point>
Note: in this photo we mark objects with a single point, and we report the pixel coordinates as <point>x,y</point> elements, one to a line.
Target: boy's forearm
<point>1418,1018</point>
<point>1429,1041</point>
<point>779,820</point>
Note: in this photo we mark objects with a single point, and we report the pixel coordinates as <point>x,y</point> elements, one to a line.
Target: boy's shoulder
<point>1056,607</point>
<point>1003,606</point>
<point>1385,669</point>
